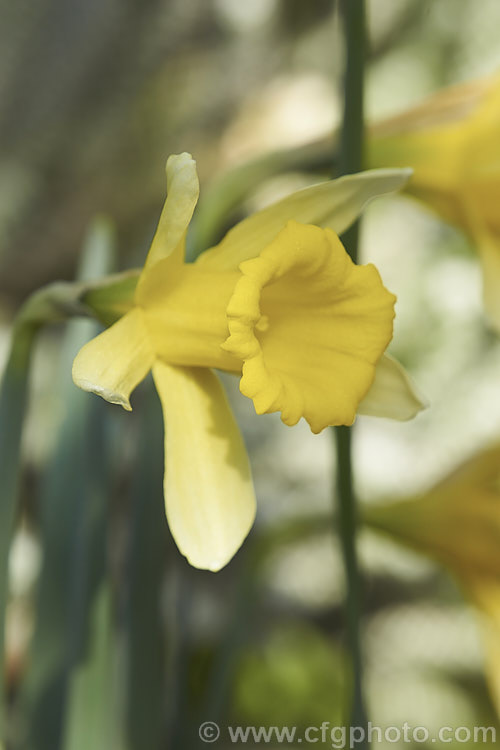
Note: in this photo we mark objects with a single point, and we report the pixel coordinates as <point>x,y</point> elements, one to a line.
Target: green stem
<point>350,158</point>
<point>350,161</point>
<point>348,521</point>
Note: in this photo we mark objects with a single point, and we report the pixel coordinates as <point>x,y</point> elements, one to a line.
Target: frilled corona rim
<point>309,327</point>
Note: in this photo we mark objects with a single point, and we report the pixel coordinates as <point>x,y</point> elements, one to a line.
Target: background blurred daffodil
<point>458,524</point>
<point>452,143</point>
<point>278,302</point>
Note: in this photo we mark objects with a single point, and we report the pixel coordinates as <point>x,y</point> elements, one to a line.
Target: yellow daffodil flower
<point>458,524</point>
<point>279,303</point>
<point>452,143</point>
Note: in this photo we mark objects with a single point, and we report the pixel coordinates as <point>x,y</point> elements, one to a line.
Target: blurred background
<point>112,640</point>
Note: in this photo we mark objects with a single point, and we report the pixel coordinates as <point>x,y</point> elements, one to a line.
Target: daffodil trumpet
<point>280,304</point>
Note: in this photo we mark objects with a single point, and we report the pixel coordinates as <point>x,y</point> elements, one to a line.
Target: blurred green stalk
<point>349,161</point>
<point>54,303</point>
<point>64,657</point>
<point>145,572</point>
<point>90,713</point>
<point>13,397</point>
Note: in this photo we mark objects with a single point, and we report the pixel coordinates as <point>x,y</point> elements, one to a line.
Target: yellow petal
<point>457,522</point>
<point>433,138</point>
<point>451,142</point>
<point>392,394</point>
<point>448,106</point>
<point>113,363</point>
<point>209,495</point>
<point>335,204</point>
<point>168,246</point>
<point>486,596</point>
<point>310,327</point>
<point>488,248</point>
<point>489,256</point>
<point>182,195</point>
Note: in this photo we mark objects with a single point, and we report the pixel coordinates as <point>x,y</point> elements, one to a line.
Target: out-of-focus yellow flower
<point>452,143</point>
<point>458,524</point>
<point>278,302</point>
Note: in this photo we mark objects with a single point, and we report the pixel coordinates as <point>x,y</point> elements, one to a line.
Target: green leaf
<point>13,399</point>
<point>91,714</point>
<point>73,500</point>
<point>145,574</point>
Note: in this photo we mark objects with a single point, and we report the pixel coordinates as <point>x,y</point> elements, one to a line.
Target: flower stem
<point>350,157</point>
<point>350,160</point>
<point>347,520</point>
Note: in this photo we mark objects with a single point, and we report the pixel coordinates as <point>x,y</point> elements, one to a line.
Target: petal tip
<point>393,393</point>
<point>105,393</point>
<point>210,565</point>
